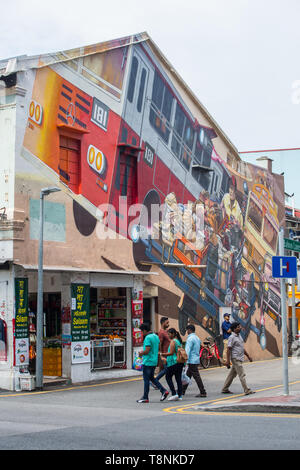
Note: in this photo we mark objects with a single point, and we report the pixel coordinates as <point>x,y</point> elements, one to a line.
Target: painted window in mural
<point>132,79</point>
<point>270,234</point>
<point>203,149</point>
<point>161,107</point>
<point>141,90</point>
<point>105,69</point>
<point>255,215</point>
<point>183,137</point>
<point>108,68</point>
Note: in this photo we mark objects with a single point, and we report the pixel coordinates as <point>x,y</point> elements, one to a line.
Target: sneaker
<point>250,392</point>
<point>173,397</point>
<point>164,395</point>
<point>142,400</point>
<point>226,391</point>
<point>202,395</point>
<point>180,398</point>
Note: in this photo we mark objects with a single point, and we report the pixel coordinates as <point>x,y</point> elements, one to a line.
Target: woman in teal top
<point>173,367</point>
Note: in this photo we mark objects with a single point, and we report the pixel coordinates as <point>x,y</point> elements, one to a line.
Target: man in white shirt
<point>236,353</point>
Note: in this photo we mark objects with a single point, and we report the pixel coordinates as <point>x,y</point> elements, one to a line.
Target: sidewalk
<point>261,402</point>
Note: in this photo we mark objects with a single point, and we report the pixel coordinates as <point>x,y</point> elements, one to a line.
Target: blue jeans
<point>148,376</point>
<point>162,372</point>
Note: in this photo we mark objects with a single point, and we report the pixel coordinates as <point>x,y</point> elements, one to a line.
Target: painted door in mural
<point>137,87</point>
<point>69,162</point>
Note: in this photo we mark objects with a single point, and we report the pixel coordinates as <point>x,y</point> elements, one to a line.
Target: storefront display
<point>108,328</point>
<point>112,313</point>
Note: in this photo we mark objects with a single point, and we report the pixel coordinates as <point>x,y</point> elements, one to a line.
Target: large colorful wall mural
<point>113,127</point>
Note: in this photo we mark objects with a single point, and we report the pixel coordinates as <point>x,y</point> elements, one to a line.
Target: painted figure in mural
<point>150,359</point>
<point>235,354</point>
<point>192,348</point>
<point>170,211</point>
<point>173,367</point>
<point>212,260</point>
<point>231,206</point>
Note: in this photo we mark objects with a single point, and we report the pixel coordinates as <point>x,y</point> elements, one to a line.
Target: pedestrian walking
<point>226,325</point>
<point>236,352</point>
<point>173,368</point>
<point>150,359</point>
<point>192,348</point>
<point>163,344</point>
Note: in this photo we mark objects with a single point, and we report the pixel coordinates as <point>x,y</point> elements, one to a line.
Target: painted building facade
<point>153,198</point>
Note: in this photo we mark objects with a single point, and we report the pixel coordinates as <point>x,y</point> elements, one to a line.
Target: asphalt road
<point>106,416</point>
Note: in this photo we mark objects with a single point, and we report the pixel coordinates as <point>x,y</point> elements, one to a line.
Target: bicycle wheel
<point>205,359</point>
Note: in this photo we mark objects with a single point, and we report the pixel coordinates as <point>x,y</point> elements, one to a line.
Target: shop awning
<point>34,267</point>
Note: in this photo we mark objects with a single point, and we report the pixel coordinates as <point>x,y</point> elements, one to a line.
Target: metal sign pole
<point>284,321</point>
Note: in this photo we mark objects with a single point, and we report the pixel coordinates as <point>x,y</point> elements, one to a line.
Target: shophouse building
<point>156,214</point>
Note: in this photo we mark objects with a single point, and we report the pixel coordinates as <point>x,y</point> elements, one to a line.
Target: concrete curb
<point>263,404</point>
<point>258,408</point>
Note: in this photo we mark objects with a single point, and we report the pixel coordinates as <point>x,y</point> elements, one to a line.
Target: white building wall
<point>7,174</point>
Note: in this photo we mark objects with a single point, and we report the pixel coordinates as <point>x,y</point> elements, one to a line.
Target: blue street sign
<point>284,267</point>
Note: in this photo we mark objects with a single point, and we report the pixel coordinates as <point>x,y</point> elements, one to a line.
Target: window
<point>132,79</point>
<point>141,91</point>
<point>161,107</point>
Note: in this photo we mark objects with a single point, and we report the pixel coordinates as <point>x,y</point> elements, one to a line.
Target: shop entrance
<point>52,361</point>
<point>108,328</point>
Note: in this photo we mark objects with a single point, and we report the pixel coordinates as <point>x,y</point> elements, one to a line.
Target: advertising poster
<point>80,323</point>
<point>22,351</point>
<point>137,318</point>
<point>81,352</point>
<point>21,322</point>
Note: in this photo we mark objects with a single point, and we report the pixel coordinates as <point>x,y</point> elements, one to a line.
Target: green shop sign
<point>80,323</point>
<point>291,245</point>
<point>21,319</point>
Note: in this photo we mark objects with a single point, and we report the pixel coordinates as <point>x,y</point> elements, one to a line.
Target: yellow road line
<point>186,408</point>
<point>43,392</point>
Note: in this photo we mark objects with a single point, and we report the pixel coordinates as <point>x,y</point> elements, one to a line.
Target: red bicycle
<point>208,351</point>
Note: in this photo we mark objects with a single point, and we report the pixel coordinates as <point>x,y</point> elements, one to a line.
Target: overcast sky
<point>240,57</point>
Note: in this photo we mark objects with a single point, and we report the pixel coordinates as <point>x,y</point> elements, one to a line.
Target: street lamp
<point>39,318</point>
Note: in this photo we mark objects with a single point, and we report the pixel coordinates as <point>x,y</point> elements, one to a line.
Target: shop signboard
<point>80,323</point>
<point>21,324</point>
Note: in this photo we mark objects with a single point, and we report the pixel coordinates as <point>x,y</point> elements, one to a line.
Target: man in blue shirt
<point>192,348</point>
<point>226,325</point>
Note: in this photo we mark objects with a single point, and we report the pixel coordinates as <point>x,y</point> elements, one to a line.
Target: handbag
<point>182,356</point>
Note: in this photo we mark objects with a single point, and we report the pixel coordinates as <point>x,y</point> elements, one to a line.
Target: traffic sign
<point>284,267</point>
<point>291,245</point>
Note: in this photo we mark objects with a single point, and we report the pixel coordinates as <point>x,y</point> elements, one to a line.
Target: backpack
<point>181,355</point>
